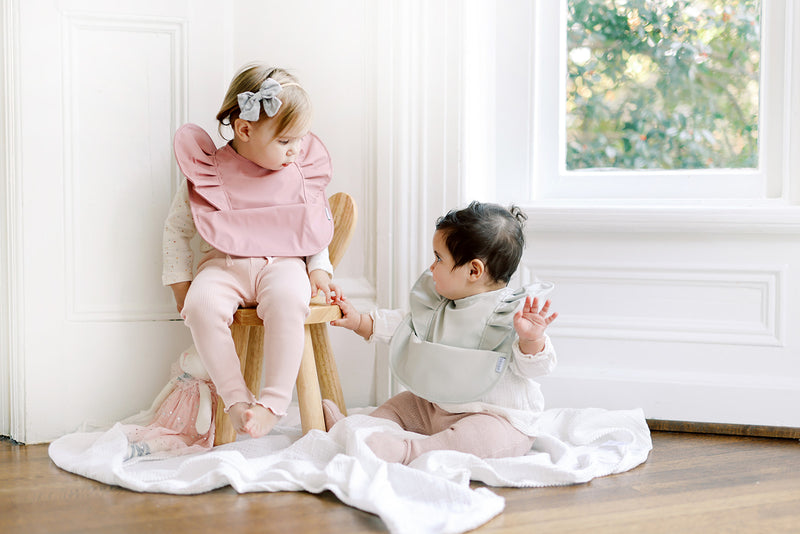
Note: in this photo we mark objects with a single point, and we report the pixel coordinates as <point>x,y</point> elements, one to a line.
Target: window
<point>662,85</point>
<point>645,100</point>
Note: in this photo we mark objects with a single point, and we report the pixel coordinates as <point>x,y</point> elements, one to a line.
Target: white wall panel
<point>690,326</point>
<point>676,395</point>
<point>99,90</point>
<point>699,304</point>
<point>111,191</point>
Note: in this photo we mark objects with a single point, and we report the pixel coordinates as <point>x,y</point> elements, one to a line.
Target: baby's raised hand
<point>530,323</point>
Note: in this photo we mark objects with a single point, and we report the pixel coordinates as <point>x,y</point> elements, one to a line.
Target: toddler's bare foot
<point>258,421</point>
<point>331,413</point>
<point>236,413</point>
<point>388,448</point>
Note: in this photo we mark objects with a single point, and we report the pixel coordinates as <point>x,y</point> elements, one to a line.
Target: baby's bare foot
<point>331,413</point>
<point>388,448</point>
<point>236,413</point>
<point>258,421</point>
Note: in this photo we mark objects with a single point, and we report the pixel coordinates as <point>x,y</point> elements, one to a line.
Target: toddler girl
<point>260,208</point>
<point>469,347</point>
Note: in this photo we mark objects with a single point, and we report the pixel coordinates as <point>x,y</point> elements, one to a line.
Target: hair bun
<point>518,214</point>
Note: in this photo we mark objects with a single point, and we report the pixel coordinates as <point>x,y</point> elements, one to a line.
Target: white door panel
<point>102,88</point>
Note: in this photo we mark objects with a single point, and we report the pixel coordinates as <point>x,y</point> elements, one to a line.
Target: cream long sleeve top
<point>179,230</point>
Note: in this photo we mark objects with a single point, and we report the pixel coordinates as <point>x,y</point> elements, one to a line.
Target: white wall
<point>693,326</point>
<point>689,315</point>
<point>92,96</point>
<point>5,229</point>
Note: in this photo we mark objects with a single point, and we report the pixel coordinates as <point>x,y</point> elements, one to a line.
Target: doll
<point>181,418</point>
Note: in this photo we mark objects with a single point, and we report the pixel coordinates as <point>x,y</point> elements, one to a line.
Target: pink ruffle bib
<point>242,209</point>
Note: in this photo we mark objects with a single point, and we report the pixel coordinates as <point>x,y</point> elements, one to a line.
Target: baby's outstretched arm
<point>530,323</point>
<point>360,323</point>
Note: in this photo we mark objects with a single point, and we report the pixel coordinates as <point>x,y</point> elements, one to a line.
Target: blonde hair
<point>295,110</point>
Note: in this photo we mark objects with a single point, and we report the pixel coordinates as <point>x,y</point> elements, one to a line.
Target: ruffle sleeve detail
<point>423,298</point>
<point>500,324</point>
<point>196,153</point>
<point>315,165</point>
<point>538,289</point>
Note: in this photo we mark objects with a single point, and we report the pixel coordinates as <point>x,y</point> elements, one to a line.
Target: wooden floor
<point>690,483</point>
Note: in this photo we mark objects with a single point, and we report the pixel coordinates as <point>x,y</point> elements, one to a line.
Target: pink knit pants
<point>482,434</point>
<point>281,290</point>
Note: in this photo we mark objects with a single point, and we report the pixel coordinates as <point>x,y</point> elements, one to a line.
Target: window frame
<point>550,181</point>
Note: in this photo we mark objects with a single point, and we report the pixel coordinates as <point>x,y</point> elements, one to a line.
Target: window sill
<point>754,217</point>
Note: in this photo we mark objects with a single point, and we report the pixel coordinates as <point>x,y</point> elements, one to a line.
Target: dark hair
<point>488,232</point>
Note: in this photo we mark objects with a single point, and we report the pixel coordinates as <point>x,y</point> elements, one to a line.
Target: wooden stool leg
<point>253,363</point>
<point>329,384</point>
<point>308,394</point>
<point>223,428</point>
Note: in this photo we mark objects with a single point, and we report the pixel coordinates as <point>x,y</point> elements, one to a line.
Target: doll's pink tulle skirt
<point>173,429</point>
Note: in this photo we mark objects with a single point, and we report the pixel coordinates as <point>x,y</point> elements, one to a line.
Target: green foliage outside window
<point>662,84</point>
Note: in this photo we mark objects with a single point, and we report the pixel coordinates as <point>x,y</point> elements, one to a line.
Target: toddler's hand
<point>530,323</point>
<point>179,291</point>
<point>321,281</point>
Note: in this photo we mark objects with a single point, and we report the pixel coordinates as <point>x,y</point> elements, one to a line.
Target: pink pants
<point>281,290</point>
<point>482,434</point>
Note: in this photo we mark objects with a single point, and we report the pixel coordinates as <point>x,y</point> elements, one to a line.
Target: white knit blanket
<point>430,495</point>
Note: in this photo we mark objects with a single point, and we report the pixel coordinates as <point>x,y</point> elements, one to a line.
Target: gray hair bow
<point>266,95</point>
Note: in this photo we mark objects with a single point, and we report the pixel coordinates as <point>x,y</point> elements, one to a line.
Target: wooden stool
<point>318,377</point>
